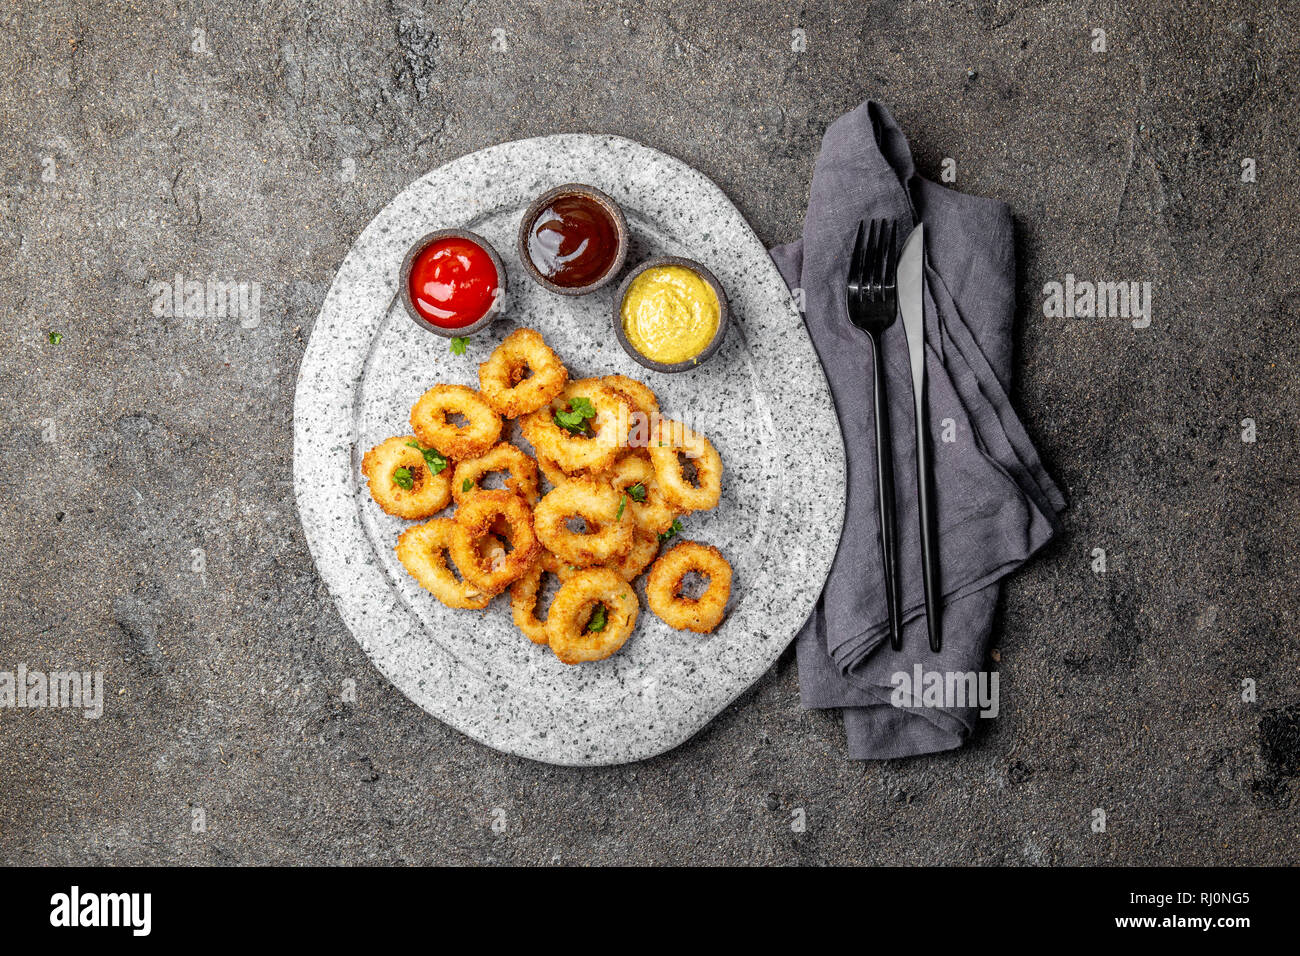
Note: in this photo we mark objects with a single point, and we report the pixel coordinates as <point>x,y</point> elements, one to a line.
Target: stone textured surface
<point>262,158</point>
<point>762,400</point>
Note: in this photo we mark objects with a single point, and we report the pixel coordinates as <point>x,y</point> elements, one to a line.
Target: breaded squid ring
<point>428,493</point>
<point>645,408</point>
<point>552,472</point>
<point>501,377</point>
<point>477,518</point>
<point>524,592</point>
<point>420,549</point>
<point>430,424</point>
<point>672,438</point>
<point>609,532</point>
<point>571,615</point>
<point>644,548</point>
<point>654,513</point>
<point>641,397</point>
<point>503,457</point>
<point>664,583</point>
<point>580,452</point>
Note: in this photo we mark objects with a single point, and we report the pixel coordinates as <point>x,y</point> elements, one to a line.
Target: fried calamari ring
<point>553,472</point>
<point>595,446</point>
<point>503,457</point>
<point>428,493</point>
<point>639,395</point>
<point>568,625</point>
<point>420,549</point>
<point>501,377</point>
<point>524,592</point>
<point>492,546</point>
<point>490,569</point>
<point>664,585</point>
<point>644,404</point>
<point>650,508</point>
<point>609,526</point>
<point>429,421</point>
<point>672,439</point>
<point>644,548</point>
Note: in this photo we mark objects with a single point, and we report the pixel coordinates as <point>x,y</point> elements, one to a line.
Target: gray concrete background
<point>1120,691</point>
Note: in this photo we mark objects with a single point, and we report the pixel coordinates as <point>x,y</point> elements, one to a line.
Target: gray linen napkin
<point>996,504</point>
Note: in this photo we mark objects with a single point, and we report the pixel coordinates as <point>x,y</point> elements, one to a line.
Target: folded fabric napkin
<point>996,504</point>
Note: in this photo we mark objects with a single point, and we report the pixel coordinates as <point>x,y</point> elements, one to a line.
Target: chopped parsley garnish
<point>458,345</point>
<point>404,478</point>
<point>432,458</point>
<point>574,418</point>
<point>56,338</point>
<point>622,503</point>
<point>672,532</point>
<point>637,492</point>
<point>466,485</point>
<point>599,618</point>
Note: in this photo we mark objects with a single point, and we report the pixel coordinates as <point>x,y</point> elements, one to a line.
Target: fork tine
<point>889,264</point>
<point>882,259</point>
<point>868,267</point>
<point>855,271</point>
<point>856,260</point>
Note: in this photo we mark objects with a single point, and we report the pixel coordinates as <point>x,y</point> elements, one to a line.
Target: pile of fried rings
<point>611,460</point>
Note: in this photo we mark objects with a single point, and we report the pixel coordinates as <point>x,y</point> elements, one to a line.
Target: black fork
<point>872,299</point>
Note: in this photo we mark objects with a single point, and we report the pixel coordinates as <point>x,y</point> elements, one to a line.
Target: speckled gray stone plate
<point>762,400</point>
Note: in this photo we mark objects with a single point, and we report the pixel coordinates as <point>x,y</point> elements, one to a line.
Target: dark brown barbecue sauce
<point>573,241</point>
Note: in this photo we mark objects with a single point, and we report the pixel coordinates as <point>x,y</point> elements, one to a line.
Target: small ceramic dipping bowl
<point>724,314</point>
<point>574,212</point>
<point>404,283</point>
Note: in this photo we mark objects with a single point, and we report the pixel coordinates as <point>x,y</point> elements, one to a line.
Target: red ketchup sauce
<point>453,283</point>
<point>573,241</point>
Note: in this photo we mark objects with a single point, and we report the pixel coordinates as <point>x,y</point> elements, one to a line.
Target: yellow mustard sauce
<point>669,314</point>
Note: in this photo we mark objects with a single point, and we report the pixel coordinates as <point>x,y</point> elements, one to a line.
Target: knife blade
<point>911,307</point>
